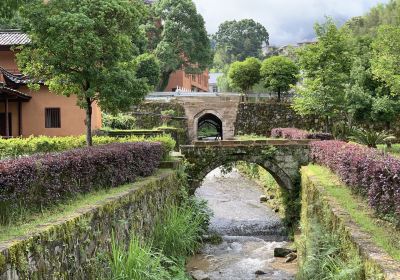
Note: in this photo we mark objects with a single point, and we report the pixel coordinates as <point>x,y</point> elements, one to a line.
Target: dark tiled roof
<point>13,38</point>
<point>9,91</point>
<point>17,79</point>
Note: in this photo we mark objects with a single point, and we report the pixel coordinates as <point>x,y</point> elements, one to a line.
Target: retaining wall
<point>70,247</point>
<point>316,203</point>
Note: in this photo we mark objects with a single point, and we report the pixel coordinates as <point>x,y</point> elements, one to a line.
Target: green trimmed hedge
<point>16,147</point>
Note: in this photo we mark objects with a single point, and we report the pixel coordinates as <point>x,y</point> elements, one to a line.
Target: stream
<point>250,231</point>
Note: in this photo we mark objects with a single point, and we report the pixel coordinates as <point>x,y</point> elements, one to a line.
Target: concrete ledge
<point>239,143</point>
<point>375,259</point>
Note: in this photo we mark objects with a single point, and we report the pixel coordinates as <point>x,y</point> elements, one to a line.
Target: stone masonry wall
<point>69,247</point>
<point>261,118</point>
<point>317,203</point>
<point>148,117</point>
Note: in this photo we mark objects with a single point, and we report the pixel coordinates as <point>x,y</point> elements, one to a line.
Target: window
<point>52,118</point>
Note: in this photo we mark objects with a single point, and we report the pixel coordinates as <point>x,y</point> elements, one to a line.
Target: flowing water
<point>249,229</point>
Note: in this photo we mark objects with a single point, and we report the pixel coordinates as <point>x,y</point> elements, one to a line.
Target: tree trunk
<point>164,80</point>
<point>279,95</point>
<point>89,141</point>
<point>327,124</point>
<point>388,143</point>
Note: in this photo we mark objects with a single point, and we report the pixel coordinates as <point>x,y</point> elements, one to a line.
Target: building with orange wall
<point>188,82</point>
<point>35,112</point>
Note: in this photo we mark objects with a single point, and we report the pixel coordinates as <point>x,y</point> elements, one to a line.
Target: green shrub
<point>371,138</point>
<point>120,121</point>
<point>15,147</point>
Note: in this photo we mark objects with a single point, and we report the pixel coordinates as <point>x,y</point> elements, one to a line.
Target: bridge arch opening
<point>278,194</point>
<point>209,127</point>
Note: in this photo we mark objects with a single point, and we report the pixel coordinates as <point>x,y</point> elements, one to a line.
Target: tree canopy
<point>86,48</point>
<point>382,14</point>
<point>278,74</point>
<point>148,67</point>
<point>245,74</point>
<point>325,69</point>
<point>386,57</point>
<point>178,38</point>
<point>237,40</point>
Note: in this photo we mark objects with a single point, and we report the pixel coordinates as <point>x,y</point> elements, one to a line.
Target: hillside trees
<point>325,70</point>
<point>278,74</point>
<point>178,38</point>
<point>86,48</point>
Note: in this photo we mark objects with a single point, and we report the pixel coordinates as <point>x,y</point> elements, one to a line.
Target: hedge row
<point>294,133</point>
<point>367,171</point>
<point>15,147</point>
<point>49,178</point>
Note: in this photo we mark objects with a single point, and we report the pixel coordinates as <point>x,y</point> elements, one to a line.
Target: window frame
<point>54,113</point>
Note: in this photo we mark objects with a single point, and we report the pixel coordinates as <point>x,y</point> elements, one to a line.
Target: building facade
<point>25,112</point>
<point>179,80</point>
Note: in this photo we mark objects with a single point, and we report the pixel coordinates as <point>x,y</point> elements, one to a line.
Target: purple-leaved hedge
<point>367,171</point>
<point>295,133</point>
<point>47,179</point>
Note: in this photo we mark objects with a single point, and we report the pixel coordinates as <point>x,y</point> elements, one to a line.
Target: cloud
<point>287,21</point>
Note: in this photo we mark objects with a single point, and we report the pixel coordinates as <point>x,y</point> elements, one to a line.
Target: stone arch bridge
<point>281,158</point>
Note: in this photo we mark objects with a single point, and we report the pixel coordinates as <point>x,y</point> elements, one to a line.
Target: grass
<point>325,256</point>
<point>178,232</point>
<point>138,262</point>
<point>384,236</point>
<point>176,235</point>
<point>32,222</point>
<point>394,150</point>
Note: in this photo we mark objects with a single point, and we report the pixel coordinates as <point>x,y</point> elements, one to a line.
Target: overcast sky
<point>287,21</point>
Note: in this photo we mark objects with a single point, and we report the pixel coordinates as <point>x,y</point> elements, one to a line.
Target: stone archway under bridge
<point>281,158</point>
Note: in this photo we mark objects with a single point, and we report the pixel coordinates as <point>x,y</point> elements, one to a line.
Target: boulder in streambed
<point>199,275</point>
<point>283,252</point>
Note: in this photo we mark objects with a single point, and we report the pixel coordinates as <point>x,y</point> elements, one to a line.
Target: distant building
<point>285,50</point>
<point>25,112</point>
<point>213,82</point>
<point>180,80</point>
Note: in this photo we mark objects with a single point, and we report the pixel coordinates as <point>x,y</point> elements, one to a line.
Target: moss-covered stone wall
<point>261,118</point>
<point>319,206</point>
<point>148,116</point>
<point>70,247</point>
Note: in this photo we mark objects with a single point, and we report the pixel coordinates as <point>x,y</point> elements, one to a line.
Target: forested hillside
<point>381,14</point>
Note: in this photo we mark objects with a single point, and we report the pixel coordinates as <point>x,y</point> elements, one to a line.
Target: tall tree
<point>179,38</point>
<point>86,48</point>
<point>237,40</point>
<point>279,73</point>
<point>245,74</point>
<point>386,57</point>
<point>9,13</point>
<point>325,68</point>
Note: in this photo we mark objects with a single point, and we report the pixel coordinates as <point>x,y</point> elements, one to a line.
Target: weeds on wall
<point>325,256</point>
<point>177,234</point>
